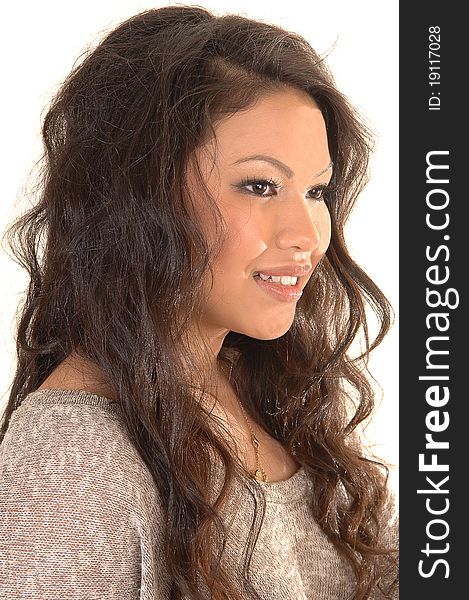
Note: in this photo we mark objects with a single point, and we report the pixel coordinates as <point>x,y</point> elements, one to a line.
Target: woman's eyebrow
<point>279,164</point>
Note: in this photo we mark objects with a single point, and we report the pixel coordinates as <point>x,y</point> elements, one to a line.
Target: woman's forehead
<point>291,137</point>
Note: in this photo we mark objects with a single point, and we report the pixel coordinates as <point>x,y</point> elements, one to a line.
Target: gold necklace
<point>259,474</point>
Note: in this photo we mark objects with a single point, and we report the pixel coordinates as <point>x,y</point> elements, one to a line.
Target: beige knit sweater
<point>82,519</point>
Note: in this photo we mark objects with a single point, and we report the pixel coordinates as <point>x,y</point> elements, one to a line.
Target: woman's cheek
<point>325,229</point>
<point>245,229</point>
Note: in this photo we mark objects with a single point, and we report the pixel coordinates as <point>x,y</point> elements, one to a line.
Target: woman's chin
<point>268,331</point>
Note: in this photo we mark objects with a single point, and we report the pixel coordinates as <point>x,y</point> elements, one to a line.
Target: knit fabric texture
<point>81,517</point>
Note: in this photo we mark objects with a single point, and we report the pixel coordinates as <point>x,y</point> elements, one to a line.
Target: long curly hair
<point>117,264</point>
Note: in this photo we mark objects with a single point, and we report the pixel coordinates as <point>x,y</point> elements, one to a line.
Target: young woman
<point>182,419</point>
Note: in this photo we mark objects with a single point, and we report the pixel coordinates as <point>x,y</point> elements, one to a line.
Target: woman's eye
<point>317,193</point>
<point>266,188</point>
<point>261,186</point>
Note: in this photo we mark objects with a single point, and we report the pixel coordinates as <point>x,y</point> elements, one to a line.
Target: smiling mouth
<point>296,286</point>
<point>280,291</point>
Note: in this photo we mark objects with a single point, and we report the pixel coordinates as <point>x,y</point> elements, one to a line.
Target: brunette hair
<point>112,246</point>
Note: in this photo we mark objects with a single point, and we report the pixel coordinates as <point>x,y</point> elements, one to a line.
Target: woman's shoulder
<point>79,508</point>
<point>59,437</point>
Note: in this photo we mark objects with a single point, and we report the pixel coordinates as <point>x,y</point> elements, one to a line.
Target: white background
<point>40,42</point>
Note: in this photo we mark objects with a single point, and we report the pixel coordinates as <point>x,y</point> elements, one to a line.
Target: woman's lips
<point>284,293</point>
<point>291,270</point>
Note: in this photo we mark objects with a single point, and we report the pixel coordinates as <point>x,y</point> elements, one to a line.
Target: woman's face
<point>272,228</point>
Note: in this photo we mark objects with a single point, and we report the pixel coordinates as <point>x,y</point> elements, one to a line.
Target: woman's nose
<point>299,224</point>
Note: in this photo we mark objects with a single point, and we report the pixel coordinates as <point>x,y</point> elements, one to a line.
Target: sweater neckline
<point>64,396</point>
<point>283,492</point>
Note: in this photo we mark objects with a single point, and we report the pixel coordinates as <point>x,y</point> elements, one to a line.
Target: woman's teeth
<point>284,279</point>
